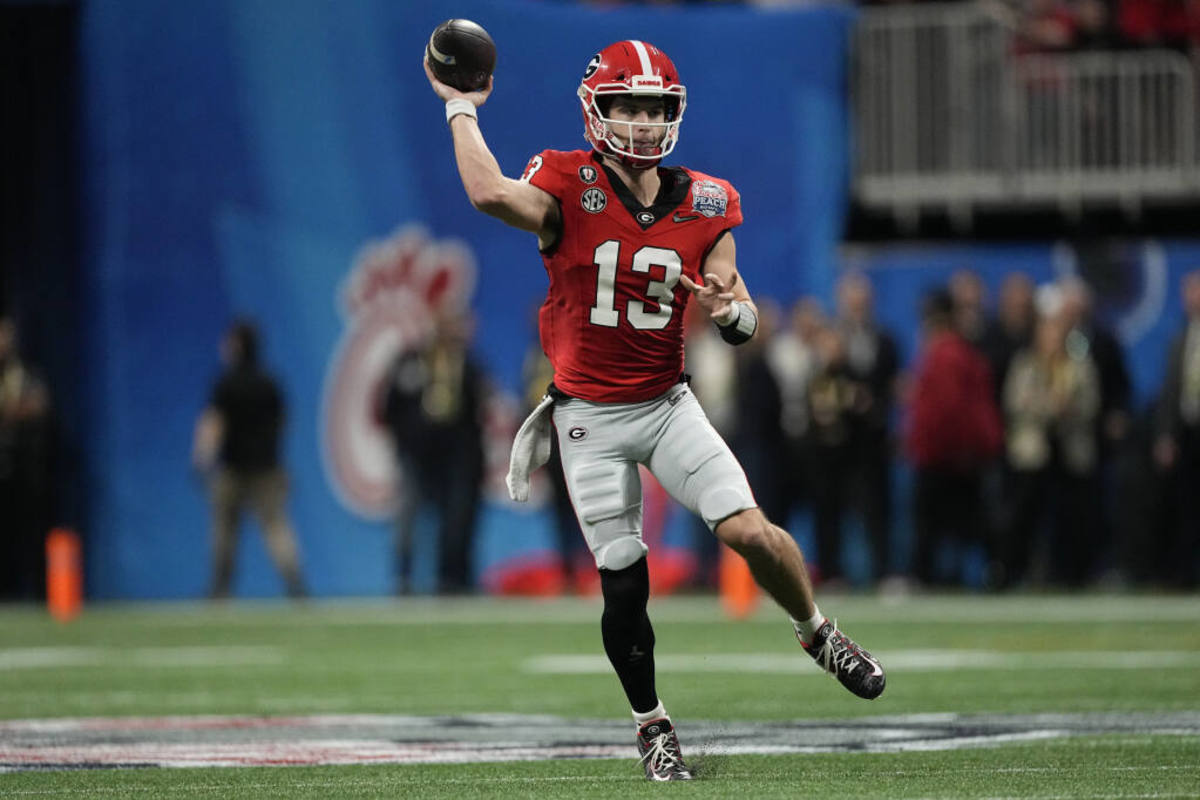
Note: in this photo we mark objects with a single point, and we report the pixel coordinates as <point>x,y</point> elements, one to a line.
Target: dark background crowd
<point>1050,25</point>
<point>1011,437</point>
<point>1007,452</point>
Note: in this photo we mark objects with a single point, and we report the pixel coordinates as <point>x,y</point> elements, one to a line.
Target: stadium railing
<point>950,114</point>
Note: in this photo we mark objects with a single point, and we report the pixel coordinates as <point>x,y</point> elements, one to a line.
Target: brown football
<point>461,54</point>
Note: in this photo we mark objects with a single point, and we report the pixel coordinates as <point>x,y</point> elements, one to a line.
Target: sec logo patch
<point>594,200</point>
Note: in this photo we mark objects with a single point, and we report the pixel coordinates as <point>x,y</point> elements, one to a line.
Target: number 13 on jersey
<point>642,315</point>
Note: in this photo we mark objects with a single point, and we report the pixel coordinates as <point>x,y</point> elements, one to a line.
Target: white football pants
<point>602,445</point>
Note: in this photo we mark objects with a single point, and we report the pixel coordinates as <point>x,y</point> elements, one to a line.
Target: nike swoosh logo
<point>679,218</point>
<point>878,670</point>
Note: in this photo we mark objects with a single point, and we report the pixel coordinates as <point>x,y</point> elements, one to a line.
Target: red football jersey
<point>612,323</point>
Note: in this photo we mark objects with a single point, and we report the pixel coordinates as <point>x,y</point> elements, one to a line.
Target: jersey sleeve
<point>734,213</point>
<point>730,215</point>
<point>545,171</point>
<point>715,199</point>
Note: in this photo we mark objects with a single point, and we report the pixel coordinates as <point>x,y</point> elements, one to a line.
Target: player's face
<point>638,122</point>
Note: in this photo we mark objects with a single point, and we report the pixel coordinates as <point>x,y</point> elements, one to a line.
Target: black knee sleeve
<point>628,636</point>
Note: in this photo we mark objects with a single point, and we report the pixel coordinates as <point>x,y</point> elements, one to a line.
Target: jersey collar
<point>674,186</point>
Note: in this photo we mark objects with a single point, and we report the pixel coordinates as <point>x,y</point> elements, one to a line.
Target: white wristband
<point>460,105</point>
<point>735,309</point>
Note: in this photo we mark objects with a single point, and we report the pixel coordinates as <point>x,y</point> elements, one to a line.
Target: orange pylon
<point>739,592</point>
<point>64,574</point>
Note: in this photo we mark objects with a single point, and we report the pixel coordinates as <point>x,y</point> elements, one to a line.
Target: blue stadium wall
<point>241,154</point>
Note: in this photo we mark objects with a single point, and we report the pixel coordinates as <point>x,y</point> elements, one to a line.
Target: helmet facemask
<point>601,130</point>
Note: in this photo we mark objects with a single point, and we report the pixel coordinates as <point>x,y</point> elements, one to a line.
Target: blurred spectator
<point>433,407</point>
<point>1008,332</point>
<point>873,362</point>
<point>1051,401</point>
<point>833,396</point>
<point>537,375</point>
<point>712,365</point>
<point>236,445</point>
<point>1045,26</point>
<point>1095,28</point>
<point>741,397</point>
<point>1160,23</point>
<point>1087,336</point>
<point>756,436</point>
<point>1048,26</point>
<point>1011,329</point>
<point>968,298</point>
<point>953,432</point>
<point>1177,444</point>
<point>791,355</point>
<point>24,470</point>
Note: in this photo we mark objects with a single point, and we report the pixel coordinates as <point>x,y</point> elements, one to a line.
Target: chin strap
<point>645,162</point>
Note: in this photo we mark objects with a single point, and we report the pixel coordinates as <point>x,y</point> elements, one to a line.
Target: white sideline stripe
<point>896,661</point>
<point>861,609</point>
<point>391,784</point>
<point>148,657</point>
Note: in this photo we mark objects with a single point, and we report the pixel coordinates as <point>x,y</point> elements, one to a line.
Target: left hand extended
<point>714,296</point>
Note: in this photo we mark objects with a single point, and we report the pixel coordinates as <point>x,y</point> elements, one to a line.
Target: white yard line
<point>894,661</point>
<point>189,656</point>
<point>860,608</point>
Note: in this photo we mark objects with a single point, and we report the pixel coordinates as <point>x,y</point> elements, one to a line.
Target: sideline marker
<point>739,592</point>
<point>64,574</point>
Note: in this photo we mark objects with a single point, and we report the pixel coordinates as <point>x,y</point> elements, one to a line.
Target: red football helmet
<point>637,68</point>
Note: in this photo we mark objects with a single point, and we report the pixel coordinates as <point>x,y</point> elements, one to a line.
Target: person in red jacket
<point>954,430</point>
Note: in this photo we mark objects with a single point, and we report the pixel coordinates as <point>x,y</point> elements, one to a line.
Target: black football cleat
<point>837,654</point>
<point>659,748</point>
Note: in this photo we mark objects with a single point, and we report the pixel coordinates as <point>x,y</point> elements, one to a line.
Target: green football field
<point>1086,696</point>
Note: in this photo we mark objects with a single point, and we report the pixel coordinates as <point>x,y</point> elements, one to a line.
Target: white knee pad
<point>608,502</point>
<point>725,501</point>
<point>621,553</point>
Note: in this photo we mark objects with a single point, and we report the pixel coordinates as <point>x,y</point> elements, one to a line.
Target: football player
<point>626,243</point>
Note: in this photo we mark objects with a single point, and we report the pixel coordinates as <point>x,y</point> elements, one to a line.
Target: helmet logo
<point>592,66</point>
<point>587,174</point>
<point>636,68</point>
<point>594,200</point>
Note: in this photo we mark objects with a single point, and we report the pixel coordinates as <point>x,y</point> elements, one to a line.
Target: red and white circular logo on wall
<point>389,301</point>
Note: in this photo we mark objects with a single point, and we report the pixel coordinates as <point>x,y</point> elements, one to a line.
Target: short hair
<point>937,305</point>
<point>245,333</point>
